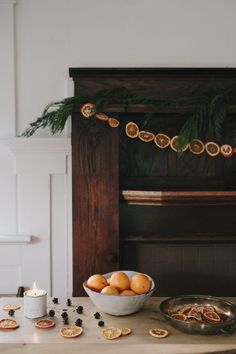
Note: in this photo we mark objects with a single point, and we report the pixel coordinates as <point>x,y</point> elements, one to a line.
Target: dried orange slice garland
<point>7,323</point>
<point>196,146</point>
<point>71,331</point>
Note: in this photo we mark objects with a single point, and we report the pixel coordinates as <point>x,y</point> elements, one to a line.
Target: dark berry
<point>100,323</point>
<point>79,309</point>
<point>64,315</point>
<point>97,315</point>
<point>55,300</point>
<point>68,302</point>
<point>51,313</point>
<point>11,312</point>
<point>78,322</point>
<point>66,321</point>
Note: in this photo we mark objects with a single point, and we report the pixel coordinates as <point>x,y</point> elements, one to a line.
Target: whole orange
<point>120,281</point>
<point>109,290</point>
<point>140,284</point>
<point>96,282</point>
<point>128,292</point>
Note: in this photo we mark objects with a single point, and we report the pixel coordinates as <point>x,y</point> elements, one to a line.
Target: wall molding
<point>15,239</point>
<point>37,145</point>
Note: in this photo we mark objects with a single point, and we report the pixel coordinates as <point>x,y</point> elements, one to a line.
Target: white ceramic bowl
<point>119,305</point>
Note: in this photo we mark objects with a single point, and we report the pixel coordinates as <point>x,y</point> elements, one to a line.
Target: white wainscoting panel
<point>35,192</point>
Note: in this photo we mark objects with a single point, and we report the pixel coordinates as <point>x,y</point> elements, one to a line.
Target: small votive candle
<point>35,303</point>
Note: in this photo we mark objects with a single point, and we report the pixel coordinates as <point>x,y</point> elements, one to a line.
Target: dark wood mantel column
<point>95,188</point>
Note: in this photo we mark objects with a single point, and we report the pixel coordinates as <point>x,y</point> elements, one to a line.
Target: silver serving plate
<point>172,305</point>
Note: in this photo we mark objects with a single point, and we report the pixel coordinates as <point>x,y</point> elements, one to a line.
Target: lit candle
<point>35,302</point>
<point>35,291</point>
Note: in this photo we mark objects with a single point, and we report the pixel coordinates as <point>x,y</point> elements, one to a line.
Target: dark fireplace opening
<point>139,207</point>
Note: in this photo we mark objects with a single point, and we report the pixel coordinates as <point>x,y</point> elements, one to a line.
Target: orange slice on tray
<point>71,331</point>
<point>44,323</point>
<point>8,323</point>
<point>9,307</point>
<point>125,331</point>
<point>179,316</point>
<point>146,136</point>
<point>162,140</point>
<point>113,122</point>
<point>212,317</point>
<point>112,333</point>
<point>88,110</point>
<point>174,144</point>
<point>158,332</point>
<point>132,130</point>
<point>212,148</point>
<point>226,150</point>
<point>101,116</point>
<point>196,146</point>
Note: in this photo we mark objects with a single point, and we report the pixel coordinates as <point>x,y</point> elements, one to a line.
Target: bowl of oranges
<point>119,293</point>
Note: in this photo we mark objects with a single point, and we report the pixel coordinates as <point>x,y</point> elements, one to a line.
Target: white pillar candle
<point>35,303</point>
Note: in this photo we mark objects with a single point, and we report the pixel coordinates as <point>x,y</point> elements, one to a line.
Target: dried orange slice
<point>185,310</point>
<point>212,148</point>
<point>226,150</point>
<point>158,332</point>
<point>195,314</point>
<point>101,116</point>
<point>44,323</point>
<point>212,317</point>
<point>162,140</point>
<point>112,333</point>
<point>146,136</point>
<point>179,316</point>
<point>208,309</point>
<point>125,331</point>
<point>88,110</point>
<point>8,323</point>
<point>71,331</point>
<point>132,130</point>
<point>196,146</point>
<point>174,144</point>
<point>113,122</point>
<point>9,307</point>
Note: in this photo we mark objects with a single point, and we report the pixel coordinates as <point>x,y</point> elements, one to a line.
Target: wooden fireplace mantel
<point>102,191</point>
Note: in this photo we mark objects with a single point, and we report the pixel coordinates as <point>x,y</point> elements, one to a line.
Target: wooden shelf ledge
<point>139,197</point>
<point>181,238</point>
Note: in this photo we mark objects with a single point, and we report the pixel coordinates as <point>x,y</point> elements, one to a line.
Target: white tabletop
<point>23,339</point>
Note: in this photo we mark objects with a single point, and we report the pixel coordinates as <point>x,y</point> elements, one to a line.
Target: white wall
<point>39,41</point>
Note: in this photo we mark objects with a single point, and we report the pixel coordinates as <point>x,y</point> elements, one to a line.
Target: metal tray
<point>172,304</point>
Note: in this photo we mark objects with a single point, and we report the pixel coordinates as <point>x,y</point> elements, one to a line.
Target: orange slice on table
<point>146,136</point>
<point>174,144</point>
<point>196,146</point>
<point>101,116</point>
<point>71,331</point>
<point>162,140</point>
<point>88,110</point>
<point>9,307</point>
<point>132,130</point>
<point>113,122</point>
<point>158,332</point>
<point>44,323</point>
<point>212,148</point>
<point>179,316</point>
<point>8,323</point>
<point>112,333</point>
<point>226,150</point>
<point>125,331</point>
